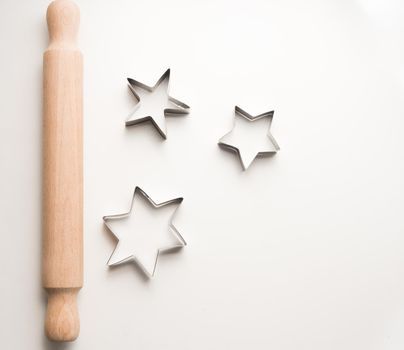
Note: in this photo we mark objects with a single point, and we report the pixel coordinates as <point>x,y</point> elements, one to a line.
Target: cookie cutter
<point>181,241</point>
<point>245,163</point>
<point>157,121</point>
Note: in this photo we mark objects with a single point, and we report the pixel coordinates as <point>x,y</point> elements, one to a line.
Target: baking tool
<point>62,264</point>
<point>249,149</point>
<point>154,104</point>
<point>132,256</point>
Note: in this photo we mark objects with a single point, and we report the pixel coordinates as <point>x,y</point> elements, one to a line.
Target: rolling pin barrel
<point>62,264</point>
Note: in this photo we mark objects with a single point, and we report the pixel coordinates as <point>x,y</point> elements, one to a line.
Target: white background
<point>305,250</point>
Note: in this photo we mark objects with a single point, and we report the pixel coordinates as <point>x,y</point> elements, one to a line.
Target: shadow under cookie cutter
<point>172,105</point>
<point>181,242</point>
<point>247,159</point>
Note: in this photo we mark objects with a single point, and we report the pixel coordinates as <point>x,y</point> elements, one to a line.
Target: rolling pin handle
<point>62,321</point>
<point>63,17</point>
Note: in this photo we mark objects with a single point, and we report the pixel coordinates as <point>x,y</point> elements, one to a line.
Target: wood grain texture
<point>62,265</point>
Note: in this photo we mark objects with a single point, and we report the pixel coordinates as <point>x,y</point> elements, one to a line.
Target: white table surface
<point>305,250</point>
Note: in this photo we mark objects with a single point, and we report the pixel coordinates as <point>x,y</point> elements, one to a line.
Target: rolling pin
<point>62,244</point>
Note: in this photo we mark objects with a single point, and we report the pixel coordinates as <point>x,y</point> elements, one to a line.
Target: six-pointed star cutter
<point>173,229</point>
<point>171,106</point>
<point>246,161</point>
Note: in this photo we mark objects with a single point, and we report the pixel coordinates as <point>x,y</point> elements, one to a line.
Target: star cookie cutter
<point>245,158</point>
<point>181,242</point>
<point>171,106</point>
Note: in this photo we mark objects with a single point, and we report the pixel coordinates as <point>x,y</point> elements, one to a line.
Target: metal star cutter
<point>124,252</point>
<point>154,104</point>
<point>250,137</point>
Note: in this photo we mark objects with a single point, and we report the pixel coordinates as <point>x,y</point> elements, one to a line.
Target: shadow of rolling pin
<point>62,264</point>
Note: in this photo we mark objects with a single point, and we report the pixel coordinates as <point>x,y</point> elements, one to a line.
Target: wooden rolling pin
<point>62,265</point>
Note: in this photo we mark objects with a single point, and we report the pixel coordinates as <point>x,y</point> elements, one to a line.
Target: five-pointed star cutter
<point>229,141</point>
<point>169,105</point>
<point>180,240</point>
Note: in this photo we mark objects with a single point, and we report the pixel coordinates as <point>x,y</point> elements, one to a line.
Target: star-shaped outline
<point>182,243</point>
<point>182,110</point>
<point>240,112</point>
